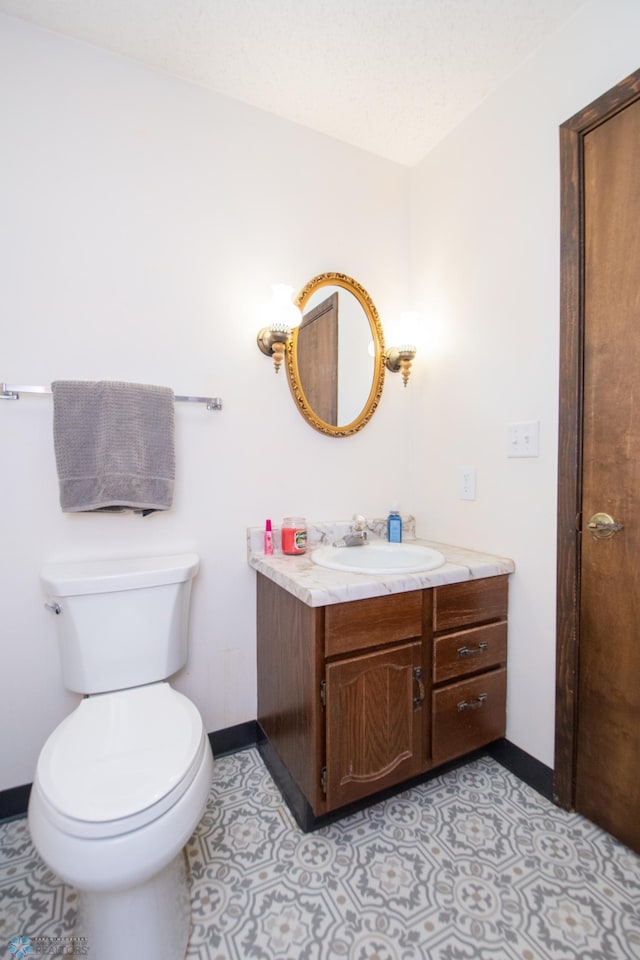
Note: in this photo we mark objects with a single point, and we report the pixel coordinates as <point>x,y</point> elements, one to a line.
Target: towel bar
<point>12,391</point>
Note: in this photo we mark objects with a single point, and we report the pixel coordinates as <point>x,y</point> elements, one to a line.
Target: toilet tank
<point>121,623</point>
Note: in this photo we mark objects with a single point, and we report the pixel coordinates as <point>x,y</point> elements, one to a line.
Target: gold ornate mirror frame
<point>302,403</point>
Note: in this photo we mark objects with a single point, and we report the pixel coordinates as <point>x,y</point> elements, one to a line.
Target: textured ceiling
<point>389,76</point>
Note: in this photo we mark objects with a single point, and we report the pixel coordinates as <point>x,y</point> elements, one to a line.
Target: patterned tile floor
<point>471,866</point>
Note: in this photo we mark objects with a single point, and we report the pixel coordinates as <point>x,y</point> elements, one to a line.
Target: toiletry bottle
<point>394,525</point>
<point>268,539</point>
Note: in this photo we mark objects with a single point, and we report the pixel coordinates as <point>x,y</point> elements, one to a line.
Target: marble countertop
<point>318,586</point>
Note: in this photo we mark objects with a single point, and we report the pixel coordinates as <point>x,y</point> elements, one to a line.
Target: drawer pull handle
<point>419,700</point>
<point>473,651</point>
<point>472,704</point>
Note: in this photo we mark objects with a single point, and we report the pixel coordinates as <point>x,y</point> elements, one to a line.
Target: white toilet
<point>123,781</point>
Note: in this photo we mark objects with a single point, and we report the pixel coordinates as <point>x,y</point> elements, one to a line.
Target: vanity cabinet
<point>357,697</point>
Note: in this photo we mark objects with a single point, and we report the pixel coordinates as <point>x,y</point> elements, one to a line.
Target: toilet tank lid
<point>66,579</point>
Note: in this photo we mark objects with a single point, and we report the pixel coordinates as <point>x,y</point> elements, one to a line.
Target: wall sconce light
<point>399,360</point>
<point>273,342</point>
<point>278,316</point>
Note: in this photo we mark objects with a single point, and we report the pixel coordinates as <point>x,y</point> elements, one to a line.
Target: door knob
<point>602,525</point>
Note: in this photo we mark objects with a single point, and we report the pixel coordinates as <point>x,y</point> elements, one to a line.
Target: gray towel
<point>114,444</point>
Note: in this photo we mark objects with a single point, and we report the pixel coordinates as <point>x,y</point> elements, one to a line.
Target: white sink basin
<point>379,558</point>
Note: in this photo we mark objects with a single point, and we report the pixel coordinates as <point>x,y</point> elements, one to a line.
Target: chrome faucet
<point>357,536</point>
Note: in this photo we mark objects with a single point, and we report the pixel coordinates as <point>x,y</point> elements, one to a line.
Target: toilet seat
<point>120,760</point>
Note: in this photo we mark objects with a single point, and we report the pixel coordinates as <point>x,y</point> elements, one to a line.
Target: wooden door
<point>317,353</point>
<point>375,730</point>
<point>598,731</point>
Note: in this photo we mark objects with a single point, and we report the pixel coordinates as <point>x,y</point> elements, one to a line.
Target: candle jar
<point>294,535</point>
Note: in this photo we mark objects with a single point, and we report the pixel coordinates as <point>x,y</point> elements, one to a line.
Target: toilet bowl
<point>123,781</point>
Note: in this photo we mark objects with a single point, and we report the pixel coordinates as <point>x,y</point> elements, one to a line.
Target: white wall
<point>143,221</point>
<point>485,243</point>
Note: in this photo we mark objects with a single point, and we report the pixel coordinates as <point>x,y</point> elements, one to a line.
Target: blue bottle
<point>394,526</point>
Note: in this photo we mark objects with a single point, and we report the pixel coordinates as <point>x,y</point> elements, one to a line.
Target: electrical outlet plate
<point>523,439</point>
<point>467,483</point>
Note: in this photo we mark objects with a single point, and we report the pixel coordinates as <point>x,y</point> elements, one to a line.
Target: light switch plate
<point>523,439</point>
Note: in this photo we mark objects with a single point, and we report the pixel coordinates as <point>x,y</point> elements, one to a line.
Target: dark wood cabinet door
<point>375,730</point>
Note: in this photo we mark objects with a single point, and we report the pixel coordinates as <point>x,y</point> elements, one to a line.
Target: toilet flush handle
<point>54,607</point>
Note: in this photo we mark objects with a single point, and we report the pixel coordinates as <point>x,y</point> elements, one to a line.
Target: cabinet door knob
<point>473,651</point>
<point>472,704</point>
<point>419,700</point>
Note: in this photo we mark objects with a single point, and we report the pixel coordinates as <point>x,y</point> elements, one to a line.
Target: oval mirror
<point>335,356</point>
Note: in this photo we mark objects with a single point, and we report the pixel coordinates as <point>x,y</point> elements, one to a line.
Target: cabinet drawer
<point>469,714</point>
<point>468,651</point>
<point>473,601</point>
<point>372,622</point>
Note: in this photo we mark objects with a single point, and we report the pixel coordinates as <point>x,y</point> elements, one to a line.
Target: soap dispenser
<point>394,525</point>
